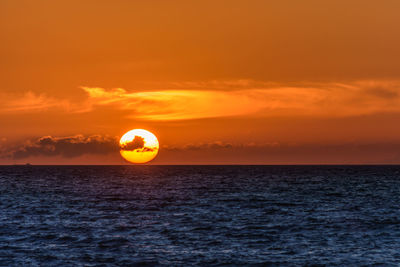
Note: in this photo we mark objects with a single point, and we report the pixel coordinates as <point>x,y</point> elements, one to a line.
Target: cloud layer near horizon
<point>225,98</point>
<point>72,146</point>
<point>218,152</point>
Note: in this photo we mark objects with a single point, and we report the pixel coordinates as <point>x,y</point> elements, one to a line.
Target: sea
<point>199,215</point>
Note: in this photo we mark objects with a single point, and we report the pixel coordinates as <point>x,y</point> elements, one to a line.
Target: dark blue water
<point>199,215</point>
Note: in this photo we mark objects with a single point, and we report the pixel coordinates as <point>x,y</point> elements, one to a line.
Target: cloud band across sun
<point>261,153</point>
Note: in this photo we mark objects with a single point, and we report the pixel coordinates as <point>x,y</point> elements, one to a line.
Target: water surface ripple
<point>199,215</point>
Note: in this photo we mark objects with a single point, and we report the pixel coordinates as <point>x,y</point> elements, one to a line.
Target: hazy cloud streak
<point>30,102</point>
<point>191,100</point>
<point>329,99</point>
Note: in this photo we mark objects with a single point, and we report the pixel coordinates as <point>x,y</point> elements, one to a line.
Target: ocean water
<point>199,215</point>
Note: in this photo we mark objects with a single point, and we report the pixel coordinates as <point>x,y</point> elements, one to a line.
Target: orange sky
<point>218,82</point>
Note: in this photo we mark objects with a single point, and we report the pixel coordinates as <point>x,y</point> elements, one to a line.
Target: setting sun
<point>138,146</point>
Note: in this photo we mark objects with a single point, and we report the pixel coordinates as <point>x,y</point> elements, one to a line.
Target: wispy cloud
<point>325,99</point>
<point>196,100</point>
<point>177,104</point>
<point>30,102</point>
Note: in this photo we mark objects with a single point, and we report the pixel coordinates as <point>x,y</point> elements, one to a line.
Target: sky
<point>218,82</point>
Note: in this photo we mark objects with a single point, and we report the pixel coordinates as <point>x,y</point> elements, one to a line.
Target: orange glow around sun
<point>139,146</point>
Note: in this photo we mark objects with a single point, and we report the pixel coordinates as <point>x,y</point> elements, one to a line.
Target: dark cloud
<point>73,146</point>
<point>136,143</point>
<point>286,153</point>
<point>147,149</point>
<point>200,146</point>
<point>383,92</point>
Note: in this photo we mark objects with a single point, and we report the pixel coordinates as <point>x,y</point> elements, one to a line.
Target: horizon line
<point>233,164</point>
